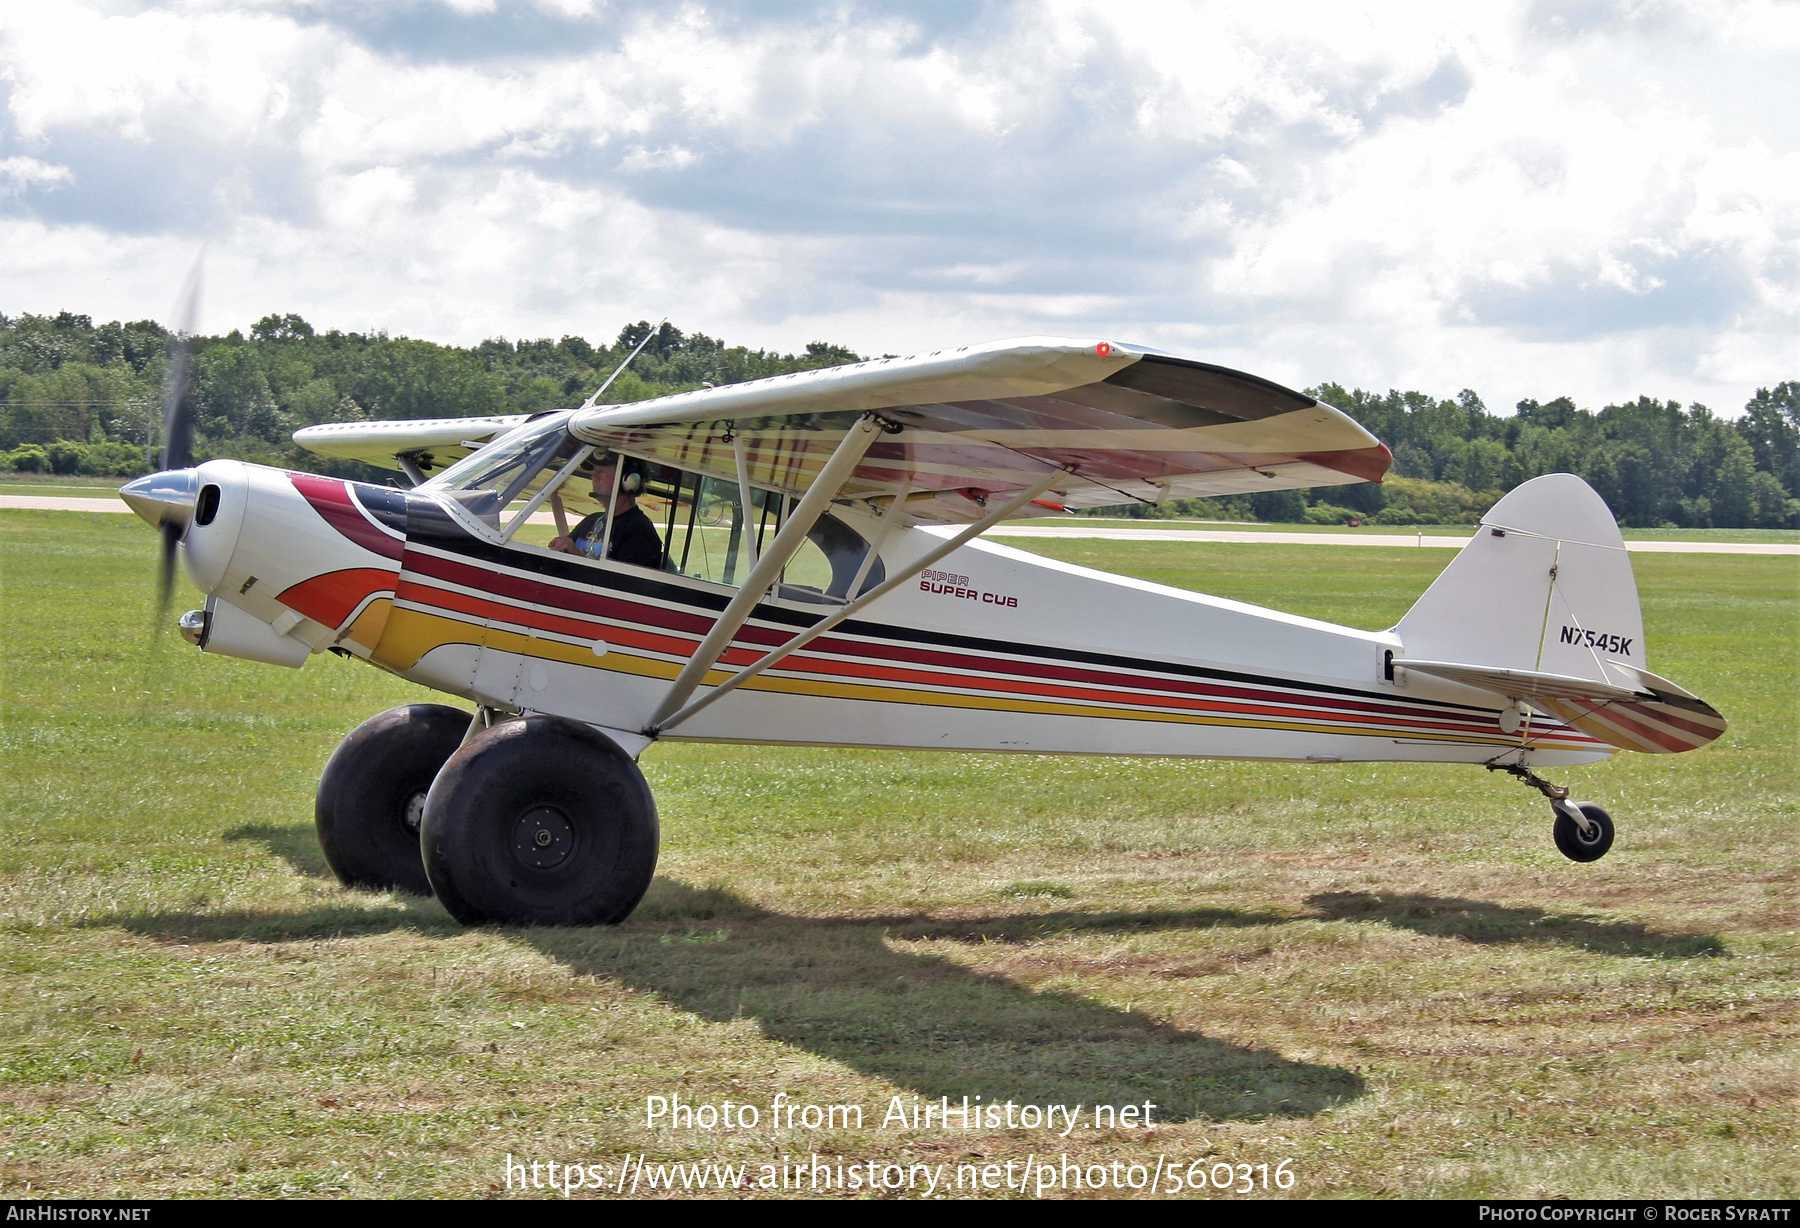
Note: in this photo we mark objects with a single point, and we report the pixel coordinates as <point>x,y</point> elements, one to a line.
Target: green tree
<point>1771,424</point>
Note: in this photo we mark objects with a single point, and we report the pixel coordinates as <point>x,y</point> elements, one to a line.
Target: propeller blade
<point>165,588</point>
<point>178,439</point>
<point>178,414</point>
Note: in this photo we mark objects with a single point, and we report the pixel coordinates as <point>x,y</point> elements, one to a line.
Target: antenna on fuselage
<point>598,392</point>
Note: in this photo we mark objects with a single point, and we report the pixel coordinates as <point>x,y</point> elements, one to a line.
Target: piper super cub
<point>814,575</point>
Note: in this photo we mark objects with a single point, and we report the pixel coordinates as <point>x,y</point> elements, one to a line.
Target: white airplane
<point>814,575</point>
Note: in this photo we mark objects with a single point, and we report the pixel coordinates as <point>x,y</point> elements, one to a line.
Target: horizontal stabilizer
<point>1654,716</point>
<point>1520,684</point>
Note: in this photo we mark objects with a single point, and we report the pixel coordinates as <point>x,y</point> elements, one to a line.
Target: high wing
<point>1126,423</point>
<point>1119,423</point>
<point>426,444</point>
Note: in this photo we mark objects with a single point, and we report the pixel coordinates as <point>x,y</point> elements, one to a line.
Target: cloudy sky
<point>1583,197</point>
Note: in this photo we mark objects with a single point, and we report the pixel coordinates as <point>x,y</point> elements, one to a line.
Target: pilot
<point>634,538</point>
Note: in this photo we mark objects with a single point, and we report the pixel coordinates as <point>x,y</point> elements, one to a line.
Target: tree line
<point>77,397</point>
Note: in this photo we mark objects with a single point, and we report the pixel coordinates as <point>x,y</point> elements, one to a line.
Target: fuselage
<point>989,649</point>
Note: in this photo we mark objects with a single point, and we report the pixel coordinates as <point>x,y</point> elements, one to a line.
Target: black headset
<point>631,476</point>
<point>631,472</point>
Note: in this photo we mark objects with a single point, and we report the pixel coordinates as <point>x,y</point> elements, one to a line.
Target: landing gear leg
<point>1582,831</point>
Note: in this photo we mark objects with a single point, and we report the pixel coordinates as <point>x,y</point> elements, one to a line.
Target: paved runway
<point>47,503</point>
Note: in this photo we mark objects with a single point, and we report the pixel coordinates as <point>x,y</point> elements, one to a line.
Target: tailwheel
<point>1583,831</point>
<point>540,821</point>
<point>372,795</point>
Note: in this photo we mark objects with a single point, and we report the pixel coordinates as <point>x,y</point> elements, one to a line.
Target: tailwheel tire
<point>372,795</point>
<point>1573,843</point>
<point>540,821</point>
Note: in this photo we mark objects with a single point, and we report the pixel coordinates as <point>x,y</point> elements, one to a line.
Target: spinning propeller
<point>166,498</point>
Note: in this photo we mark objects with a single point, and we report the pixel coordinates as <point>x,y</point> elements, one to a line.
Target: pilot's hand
<point>565,545</point>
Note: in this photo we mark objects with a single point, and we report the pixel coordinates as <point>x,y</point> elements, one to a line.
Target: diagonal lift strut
<point>775,655</point>
<point>836,471</point>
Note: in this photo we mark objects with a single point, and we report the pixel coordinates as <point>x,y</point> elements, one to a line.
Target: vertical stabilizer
<point>1545,585</point>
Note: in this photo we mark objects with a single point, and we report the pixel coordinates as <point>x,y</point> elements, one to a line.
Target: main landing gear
<point>372,795</point>
<point>1582,831</point>
<point>532,821</point>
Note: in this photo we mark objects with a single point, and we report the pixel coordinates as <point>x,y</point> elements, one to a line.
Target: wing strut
<point>746,498</point>
<point>896,510</point>
<point>787,542</point>
<point>777,654</point>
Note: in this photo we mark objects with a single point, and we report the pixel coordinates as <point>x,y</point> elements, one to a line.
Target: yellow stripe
<point>419,633</point>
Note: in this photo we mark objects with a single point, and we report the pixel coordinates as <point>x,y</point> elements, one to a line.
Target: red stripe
<point>1668,741</point>
<point>332,500</point>
<point>539,593</point>
<point>333,597</point>
<point>1666,714</point>
<point>1369,464</point>
<point>1611,712</point>
<point>484,608</point>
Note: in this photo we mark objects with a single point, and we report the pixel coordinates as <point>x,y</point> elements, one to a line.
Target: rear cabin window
<point>826,564</point>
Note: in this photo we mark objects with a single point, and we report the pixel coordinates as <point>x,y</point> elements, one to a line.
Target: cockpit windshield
<point>487,481</point>
<point>680,521</point>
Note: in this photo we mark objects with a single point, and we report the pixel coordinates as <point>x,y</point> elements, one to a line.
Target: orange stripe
<point>675,646</point>
<point>330,598</point>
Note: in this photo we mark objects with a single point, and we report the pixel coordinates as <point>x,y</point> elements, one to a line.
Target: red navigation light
<point>1103,349</point>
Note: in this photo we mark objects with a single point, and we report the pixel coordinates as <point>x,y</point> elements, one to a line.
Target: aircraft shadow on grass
<point>839,988</point>
<point>1486,923</point>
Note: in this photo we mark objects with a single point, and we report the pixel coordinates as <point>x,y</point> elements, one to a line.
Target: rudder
<point>1544,585</point>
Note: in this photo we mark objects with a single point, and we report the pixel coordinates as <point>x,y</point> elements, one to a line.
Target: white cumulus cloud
<point>1529,199</point>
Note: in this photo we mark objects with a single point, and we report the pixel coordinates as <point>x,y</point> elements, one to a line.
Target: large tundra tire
<point>540,821</point>
<point>372,795</point>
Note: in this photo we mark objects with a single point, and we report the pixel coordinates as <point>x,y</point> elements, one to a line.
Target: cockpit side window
<point>706,534</point>
<point>704,530</point>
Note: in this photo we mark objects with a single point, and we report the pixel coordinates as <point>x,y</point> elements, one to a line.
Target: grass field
<point>1385,974</point>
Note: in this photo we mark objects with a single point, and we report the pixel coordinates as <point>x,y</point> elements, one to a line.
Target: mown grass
<point>1384,972</point>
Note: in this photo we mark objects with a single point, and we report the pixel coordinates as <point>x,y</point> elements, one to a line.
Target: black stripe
<point>434,528</point>
<point>384,503</point>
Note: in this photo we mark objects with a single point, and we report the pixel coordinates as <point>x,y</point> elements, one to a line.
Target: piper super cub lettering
<point>951,585</point>
<point>789,561</point>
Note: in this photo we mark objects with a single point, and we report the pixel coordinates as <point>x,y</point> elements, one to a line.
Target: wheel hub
<point>543,838</point>
<point>1586,830</point>
<point>415,812</point>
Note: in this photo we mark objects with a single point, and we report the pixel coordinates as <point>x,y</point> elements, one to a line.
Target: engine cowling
<point>291,563</point>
